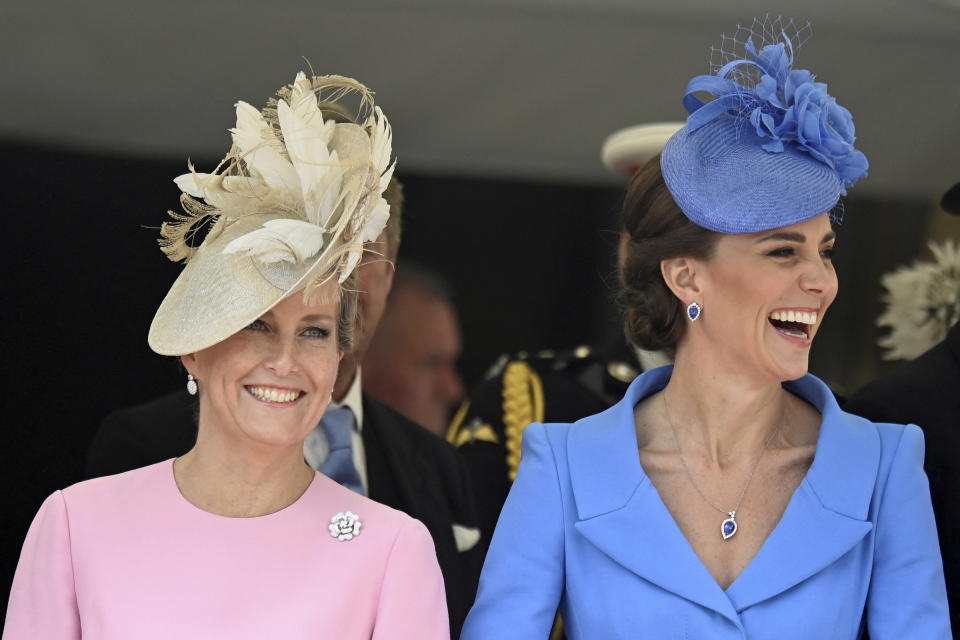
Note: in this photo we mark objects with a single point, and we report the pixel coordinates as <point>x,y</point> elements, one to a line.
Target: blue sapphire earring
<point>693,310</point>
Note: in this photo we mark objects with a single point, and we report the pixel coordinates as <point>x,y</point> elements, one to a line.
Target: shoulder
<point>162,421</point>
<point>916,391</point>
<point>571,381</point>
<point>546,438</point>
<point>895,451</point>
<point>889,437</point>
<point>177,403</point>
<point>397,429</point>
<point>553,385</point>
<point>133,437</point>
<point>902,448</point>
<point>118,491</point>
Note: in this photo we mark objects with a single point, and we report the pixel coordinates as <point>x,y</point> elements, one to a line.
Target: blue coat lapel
<point>827,515</point>
<point>620,512</point>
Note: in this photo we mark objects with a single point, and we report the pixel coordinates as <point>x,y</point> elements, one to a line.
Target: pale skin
<point>248,460</point>
<point>725,397</point>
<point>262,391</point>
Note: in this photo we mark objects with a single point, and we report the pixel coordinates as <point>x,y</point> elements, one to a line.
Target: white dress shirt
<point>316,449</point>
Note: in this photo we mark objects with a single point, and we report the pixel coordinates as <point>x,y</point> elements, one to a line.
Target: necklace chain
<point>686,468</point>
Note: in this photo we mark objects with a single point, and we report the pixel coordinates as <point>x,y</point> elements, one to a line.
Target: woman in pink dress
<point>239,538</point>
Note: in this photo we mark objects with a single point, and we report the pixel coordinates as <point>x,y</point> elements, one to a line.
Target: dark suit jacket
<point>408,468</point>
<point>926,392</point>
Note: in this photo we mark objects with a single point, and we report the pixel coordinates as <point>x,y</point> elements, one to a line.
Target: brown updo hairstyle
<point>656,229</point>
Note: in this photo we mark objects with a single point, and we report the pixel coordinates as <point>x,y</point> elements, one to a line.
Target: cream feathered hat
<point>289,208</point>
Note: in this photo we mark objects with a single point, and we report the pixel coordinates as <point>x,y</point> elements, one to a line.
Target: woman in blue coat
<point>727,496</point>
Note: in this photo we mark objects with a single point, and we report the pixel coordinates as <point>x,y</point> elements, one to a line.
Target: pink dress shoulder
<point>127,556</point>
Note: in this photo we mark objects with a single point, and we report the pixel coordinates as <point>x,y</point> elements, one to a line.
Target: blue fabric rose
<point>786,108</point>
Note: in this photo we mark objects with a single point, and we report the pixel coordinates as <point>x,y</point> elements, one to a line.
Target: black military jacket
<point>545,386</point>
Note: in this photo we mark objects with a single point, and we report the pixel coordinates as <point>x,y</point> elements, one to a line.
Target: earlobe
<point>188,360</point>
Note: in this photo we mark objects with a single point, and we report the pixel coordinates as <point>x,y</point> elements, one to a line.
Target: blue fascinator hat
<point>772,149</point>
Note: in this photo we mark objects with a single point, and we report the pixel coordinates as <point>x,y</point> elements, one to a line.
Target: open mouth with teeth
<point>795,324</point>
<point>273,395</point>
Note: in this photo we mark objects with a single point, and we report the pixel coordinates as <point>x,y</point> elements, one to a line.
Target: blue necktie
<point>337,424</point>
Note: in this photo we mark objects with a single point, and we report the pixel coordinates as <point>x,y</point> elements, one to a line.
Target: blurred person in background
<point>552,385</point>
<point>411,364</point>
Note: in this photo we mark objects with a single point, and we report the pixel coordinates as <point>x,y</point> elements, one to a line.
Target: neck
<point>345,375</point>
<point>719,413</point>
<point>240,479</point>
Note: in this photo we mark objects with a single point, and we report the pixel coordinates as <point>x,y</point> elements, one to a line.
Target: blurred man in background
<point>410,365</point>
<point>561,385</point>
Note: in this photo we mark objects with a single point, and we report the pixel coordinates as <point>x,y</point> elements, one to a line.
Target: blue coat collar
<point>620,511</point>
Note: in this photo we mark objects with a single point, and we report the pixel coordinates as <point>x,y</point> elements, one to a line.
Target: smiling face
<point>764,296</point>
<point>270,383</point>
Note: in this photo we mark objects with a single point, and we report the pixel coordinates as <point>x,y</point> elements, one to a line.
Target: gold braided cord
<point>476,431</point>
<point>457,421</point>
<point>522,404</point>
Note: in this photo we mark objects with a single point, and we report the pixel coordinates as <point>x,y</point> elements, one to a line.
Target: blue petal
<point>768,90</point>
<point>774,146</point>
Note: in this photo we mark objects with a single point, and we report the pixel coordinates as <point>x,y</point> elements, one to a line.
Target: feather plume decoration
<point>279,240</point>
<point>923,303</point>
<point>325,179</point>
<point>318,169</point>
<point>175,237</point>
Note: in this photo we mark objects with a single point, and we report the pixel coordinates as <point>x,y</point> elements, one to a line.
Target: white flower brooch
<point>345,526</point>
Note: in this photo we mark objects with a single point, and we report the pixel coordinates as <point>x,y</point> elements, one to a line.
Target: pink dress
<point>127,556</point>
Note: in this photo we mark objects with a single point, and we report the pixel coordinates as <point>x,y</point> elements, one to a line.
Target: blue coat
<point>584,530</point>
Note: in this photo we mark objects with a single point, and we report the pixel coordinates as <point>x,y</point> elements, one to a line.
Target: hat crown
<point>773,148</point>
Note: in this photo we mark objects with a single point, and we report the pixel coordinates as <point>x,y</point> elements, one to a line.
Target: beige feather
<point>280,240</point>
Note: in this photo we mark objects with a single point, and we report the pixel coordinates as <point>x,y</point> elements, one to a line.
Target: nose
<point>282,359</point>
<point>819,278</point>
<point>450,386</point>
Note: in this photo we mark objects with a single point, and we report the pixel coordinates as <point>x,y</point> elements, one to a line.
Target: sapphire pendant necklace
<point>729,527</point>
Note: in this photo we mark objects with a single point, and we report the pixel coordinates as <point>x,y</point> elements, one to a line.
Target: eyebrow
<point>313,317</point>
<point>792,236</point>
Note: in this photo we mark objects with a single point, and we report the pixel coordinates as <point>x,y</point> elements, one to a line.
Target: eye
<point>782,252</point>
<point>316,332</point>
<point>828,253</point>
<point>257,325</point>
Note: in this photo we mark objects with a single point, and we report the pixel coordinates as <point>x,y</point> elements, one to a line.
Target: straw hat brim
<point>217,294</point>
